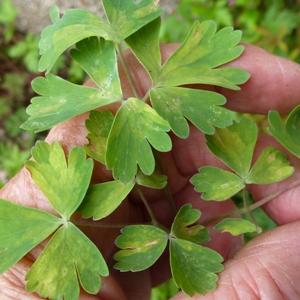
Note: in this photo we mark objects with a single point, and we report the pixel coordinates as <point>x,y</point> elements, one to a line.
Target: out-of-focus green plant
<point>273,25</point>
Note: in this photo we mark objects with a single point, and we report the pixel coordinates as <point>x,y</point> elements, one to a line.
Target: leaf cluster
<point>128,143</point>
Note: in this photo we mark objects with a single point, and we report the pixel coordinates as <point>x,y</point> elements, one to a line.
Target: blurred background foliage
<point>272,25</point>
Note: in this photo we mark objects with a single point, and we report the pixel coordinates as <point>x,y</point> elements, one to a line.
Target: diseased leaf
<point>126,17</point>
<point>69,258</point>
<point>135,128</point>
<point>194,266</point>
<point>60,101</point>
<point>200,107</point>
<point>74,26</point>
<point>102,199</point>
<point>182,229</point>
<point>234,145</point>
<point>98,59</point>
<point>99,125</point>
<point>235,226</point>
<point>271,166</point>
<point>197,59</point>
<point>216,184</point>
<point>142,245</point>
<point>21,229</point>
<point>145,45</point>
<point>286,134</point>
<point>63,182</point>
<point>155,180</point>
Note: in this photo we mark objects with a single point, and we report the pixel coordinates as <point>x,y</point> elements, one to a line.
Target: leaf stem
<point>127,72</point>
<point>254,205</point>
<point>167,190</point>
<point>139,190</point>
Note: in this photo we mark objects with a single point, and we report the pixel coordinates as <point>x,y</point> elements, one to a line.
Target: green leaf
<point>21,229</point>
<point>74,26</point>
<point>99,125</point>
<point>197,59</point>
<point>135,128</point>
<point>271,166</point>
<point>155,181</point>
<point>216,184</point>
<point>182,229</point>
<point>194,266</point>
<point>68,258</point>
<point>286,134</point>
<point>63,182</point>
<point>200,107</point>
<point>126,17</point>
<point>234,145</point>
<point>60,101</point>
<point>145,45</point>
<point>98,59</point>
<point>102,199</point>
<point>235,226</point>
<point>142,245</point>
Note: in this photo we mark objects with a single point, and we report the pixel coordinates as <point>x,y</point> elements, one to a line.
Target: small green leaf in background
<point>98,59</point>
<point>74,26</point>
<point>99,125</point>
<point>142,246</point>
<point>271,166</point>
<point>194,266</point>
<point>135,128</point>
<point>62,100</point>
<point>234,145</point>
<point>236,226</point>
<point>63,182</point>
<point>197,59</point>
<point>200,107</point>
<point>69,258</point>
<point>286,134</point>
<point>183,227</point>
<point>216,184</point>
<point>127,17</point>
<point>155,181</point>
<point>21,229</point>
<point>103,198</point>
<point>145,45</point>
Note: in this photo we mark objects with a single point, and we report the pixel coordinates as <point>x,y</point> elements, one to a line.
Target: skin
<point>266,268</point>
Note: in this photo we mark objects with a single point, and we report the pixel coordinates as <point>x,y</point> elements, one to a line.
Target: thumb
<point>266,268</point>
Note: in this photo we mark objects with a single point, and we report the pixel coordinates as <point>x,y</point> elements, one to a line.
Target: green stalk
<point>127,72</point>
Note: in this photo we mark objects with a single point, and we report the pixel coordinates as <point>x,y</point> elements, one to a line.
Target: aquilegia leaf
<point>236,226</point>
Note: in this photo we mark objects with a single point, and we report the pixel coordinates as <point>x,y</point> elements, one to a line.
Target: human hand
<point>266,267</point>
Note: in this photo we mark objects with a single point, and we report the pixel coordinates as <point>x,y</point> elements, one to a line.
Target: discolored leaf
<point>182,229</point>
<point>99,125</point>
<point>197,59</point>
<point>286,134</point>
<point>60,101</point>
<point>155,181</point>
<point>217,184</point>
<point>234,145</point>
<point>142,245</point>
<point>236,226</point>
<point>21,229</point>
<point>63,182</point>
<point>200,107</point>
<point>98,59</point>
<point>145,45</point>
<point>74,26</point>
<point>69,258</point>
<point>126,17</point>
<point>271,166</point>
<point>194,267</point>
<point>135,128</point>
<point>103,198</point>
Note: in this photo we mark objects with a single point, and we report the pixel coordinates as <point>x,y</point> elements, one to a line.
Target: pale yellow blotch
<point>152,243</point>
<point>156,2</point>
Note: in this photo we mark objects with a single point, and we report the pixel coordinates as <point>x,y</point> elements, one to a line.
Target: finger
<point>266,268</point>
